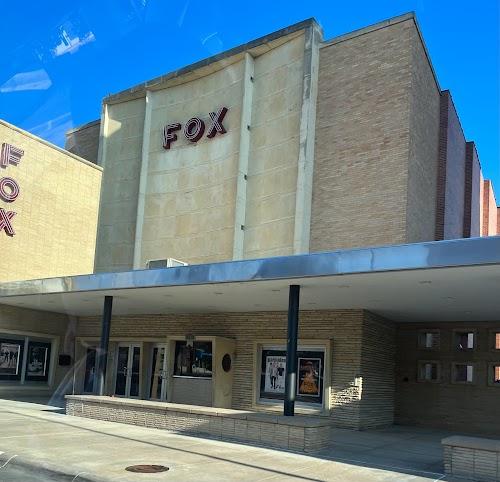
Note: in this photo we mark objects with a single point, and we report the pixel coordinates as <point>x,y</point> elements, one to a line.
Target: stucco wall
<point>84,141</point>
<point>181,202</point>
<point>190,190</point>
<point>274,150</point>
<point>57,207</point>
<point>121,158</point>
<point>362,136</point>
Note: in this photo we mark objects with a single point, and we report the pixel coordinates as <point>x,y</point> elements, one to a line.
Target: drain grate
<point>147,468</point>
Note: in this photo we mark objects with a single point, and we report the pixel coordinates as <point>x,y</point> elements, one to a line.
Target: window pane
<point>496,378</point>
<point>497,341</point>
<point>465,340</point>
<point>460,373</point>
<point>428,340</point>
<point>193,361</point>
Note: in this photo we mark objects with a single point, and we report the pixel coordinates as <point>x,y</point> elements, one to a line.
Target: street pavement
<point>39,443</point>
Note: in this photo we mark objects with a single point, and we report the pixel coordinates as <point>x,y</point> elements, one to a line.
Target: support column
<point>102,358</point>
<point>291,350</point>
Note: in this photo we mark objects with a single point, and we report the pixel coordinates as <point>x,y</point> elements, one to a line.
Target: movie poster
<point>275,374</point>
<point>309,377</point>
<point>9,358</point>
<point>37,365</point>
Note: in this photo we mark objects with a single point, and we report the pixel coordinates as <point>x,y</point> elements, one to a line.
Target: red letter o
<point>10,194</point>
<point>194,129</point>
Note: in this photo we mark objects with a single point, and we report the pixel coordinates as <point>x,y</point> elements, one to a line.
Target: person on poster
<point>309,377</point>
<point>9,358</point>
<point>274,376</point>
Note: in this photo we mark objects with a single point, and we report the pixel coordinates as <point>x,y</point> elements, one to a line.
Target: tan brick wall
<point>350,407</point>
<point>362,136</point>
<point>489,227</point>
<point>29,322</point>
<point>378,370</point>
<point>446,405</point>
<point>472,192</point>
<point>56,221</point>
<point>422,167</point>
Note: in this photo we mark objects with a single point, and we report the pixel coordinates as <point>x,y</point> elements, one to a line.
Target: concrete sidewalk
<point>84,449</point>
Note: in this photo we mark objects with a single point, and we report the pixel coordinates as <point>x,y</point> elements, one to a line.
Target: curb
<point>53,471</point>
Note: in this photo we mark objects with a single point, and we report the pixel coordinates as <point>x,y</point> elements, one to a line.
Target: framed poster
<point>275,374</point>
<point>309,382</point>
<point>10,359</point>
<point>310,373</point>
<point>38,361</point>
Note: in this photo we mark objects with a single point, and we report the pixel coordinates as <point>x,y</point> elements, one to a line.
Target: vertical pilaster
<point>103,136</point>
<point>469,159</point>
<point>143,180</point>
<point>442,161</point>
<point>241,186</point>
<point>307,134</point>
<point>101,161</point>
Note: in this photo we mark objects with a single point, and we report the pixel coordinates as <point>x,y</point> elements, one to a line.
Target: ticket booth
<point>200,370</point>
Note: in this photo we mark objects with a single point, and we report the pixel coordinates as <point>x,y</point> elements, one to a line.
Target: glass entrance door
<point>128,370</point>
<point>89,382</point>
<point>158,382</point>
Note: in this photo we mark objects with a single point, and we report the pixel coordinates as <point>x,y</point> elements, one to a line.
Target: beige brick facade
<point>465,408</point>
<point>56,210</point>
<point>361,160</point>
<point>362,355</point>
<point>375,178</point>
<point>54,327</point>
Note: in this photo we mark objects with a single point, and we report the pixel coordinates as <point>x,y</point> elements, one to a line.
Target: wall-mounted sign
<point>195,128</point>
<point>9,189</point>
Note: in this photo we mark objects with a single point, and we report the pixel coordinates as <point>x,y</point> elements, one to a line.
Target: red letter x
<point>5,217</point>
<point>217,119</point>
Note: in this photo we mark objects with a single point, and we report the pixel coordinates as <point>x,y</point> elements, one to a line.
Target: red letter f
<point>168,134</point>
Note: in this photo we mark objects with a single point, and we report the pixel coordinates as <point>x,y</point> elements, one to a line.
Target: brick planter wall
<point>306,434</point>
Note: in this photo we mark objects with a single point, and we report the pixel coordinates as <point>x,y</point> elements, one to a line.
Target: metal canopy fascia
<point>419,256</point>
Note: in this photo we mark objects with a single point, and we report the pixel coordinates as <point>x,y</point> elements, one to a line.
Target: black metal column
<point>102,358</point>
<point>291,350</point>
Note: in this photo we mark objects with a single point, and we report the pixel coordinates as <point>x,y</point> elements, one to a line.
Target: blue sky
<point>58,59</point>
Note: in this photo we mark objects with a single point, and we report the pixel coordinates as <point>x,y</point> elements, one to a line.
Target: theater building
<point>291,183</point>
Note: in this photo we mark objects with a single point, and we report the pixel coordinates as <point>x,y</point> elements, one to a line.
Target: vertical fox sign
<point>9,189</point>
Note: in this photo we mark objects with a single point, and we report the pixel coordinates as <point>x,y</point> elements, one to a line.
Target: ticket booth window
<point>310,375</point>
<point>193,360</point>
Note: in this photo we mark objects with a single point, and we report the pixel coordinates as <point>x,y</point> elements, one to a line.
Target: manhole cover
<point>146,468</point>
